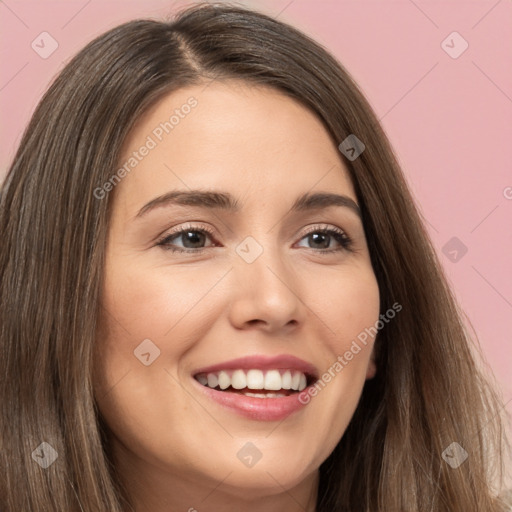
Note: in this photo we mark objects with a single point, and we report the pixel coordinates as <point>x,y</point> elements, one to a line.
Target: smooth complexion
<point>175,448</point>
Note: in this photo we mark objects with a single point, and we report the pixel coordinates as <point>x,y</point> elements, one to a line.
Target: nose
<point>266,294</point>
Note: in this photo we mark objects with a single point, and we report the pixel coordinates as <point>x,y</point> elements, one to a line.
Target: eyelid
<point>323,227</point>
<point>188,226</point>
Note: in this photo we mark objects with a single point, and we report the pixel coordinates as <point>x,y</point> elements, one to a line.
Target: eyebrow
<point>225,201</point>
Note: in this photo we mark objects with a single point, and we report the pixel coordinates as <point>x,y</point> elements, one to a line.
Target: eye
<point>192,237</point>
<point>324,236</point>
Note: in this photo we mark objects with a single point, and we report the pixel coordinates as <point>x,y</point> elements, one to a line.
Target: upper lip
<point>262,362</point>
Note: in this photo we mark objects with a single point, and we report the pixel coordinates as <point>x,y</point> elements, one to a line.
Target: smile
<point>258,387</point>
<point>248,381</point>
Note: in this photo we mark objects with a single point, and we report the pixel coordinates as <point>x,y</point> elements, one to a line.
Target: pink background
<point>449,119</point>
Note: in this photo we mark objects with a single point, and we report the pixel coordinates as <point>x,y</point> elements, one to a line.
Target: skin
<point>174,448</point>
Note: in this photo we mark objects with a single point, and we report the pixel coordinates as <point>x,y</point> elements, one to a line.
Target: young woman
<point>217,293</point>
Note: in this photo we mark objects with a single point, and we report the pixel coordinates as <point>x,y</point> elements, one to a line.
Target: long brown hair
<point>429,390</point>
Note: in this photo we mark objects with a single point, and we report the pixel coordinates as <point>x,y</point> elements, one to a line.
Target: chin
<point>264,478</point>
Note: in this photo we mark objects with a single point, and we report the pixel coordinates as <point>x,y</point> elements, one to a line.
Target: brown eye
<point>322,238</point>
<point>192,239</point>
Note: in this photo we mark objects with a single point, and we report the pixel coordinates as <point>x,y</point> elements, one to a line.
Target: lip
<point>261,409</point>
<point>261,362</point>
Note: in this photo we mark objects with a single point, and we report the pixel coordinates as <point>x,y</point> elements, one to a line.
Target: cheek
<point>154,302</point>
<point>349,310</point>
<point>349,305</point>
<point>133,368</point>
<point>170,307</point>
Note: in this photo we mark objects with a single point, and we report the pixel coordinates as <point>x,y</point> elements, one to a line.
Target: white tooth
<point>271,395</point>
<point>273,380</point>
<point>213,381</point>
<point>224,380</point>
<point>255,379</point>
<point>256,395</point>
<point>286,380</point>
<point>202,379</point>
<point>280,394</point>
<point>296,380</point>
<point>238,380</point>
<point>303,383</point>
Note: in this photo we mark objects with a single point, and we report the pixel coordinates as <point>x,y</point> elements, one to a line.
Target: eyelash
<point>340,236</point>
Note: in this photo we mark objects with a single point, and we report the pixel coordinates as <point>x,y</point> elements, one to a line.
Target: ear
<point>371,370</point>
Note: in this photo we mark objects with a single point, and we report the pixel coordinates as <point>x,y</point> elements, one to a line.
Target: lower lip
<point>261,409</point>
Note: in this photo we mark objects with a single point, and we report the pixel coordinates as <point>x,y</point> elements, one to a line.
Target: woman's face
<point>267,286</point>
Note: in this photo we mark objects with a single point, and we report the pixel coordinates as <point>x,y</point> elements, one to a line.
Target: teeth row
<point>255,379</point>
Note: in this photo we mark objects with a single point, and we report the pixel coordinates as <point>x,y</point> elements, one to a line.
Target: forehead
<point>231,135</point>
